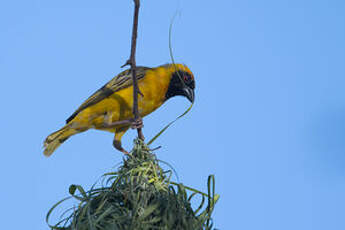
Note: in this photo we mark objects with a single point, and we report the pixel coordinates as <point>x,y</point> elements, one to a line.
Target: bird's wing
<point>121,81</point>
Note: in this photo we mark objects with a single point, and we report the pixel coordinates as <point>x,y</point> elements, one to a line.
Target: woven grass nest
<point>139,196</point>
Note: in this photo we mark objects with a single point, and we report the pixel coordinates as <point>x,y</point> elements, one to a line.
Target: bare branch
<point>132,62</point>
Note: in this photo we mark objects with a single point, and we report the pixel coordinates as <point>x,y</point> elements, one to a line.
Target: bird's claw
<point>137,124</point>
<point>118,146</point>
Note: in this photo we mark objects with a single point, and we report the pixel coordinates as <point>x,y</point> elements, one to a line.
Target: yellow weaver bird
<point>110,107</point>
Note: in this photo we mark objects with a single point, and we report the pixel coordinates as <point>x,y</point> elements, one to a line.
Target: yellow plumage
<point>114,101</point>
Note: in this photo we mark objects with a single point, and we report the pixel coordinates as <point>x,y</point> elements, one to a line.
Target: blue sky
<point>269,117</point>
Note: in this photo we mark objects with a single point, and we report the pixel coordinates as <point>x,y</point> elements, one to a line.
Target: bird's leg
<point>135,124</point>
<point>117,145</point>
<point>116,123</point>
<point>117,139</point>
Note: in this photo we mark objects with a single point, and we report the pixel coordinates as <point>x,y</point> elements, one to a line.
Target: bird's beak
<point>189,93</point>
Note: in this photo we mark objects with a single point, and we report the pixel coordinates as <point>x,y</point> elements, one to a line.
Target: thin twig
<point>132,62</point>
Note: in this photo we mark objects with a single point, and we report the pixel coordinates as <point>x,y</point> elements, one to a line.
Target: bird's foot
<point>137,124</point>
<point>117,145</point>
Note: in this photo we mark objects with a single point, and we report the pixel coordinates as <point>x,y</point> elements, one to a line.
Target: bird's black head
<point>181,84</point>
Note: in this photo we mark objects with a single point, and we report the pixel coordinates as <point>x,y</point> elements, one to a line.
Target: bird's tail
<point>54,140</point>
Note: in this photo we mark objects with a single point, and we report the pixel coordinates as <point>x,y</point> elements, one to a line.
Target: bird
<point>110,107</point>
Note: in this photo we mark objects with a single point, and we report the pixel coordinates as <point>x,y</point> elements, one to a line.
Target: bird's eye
<point>187,78</point>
